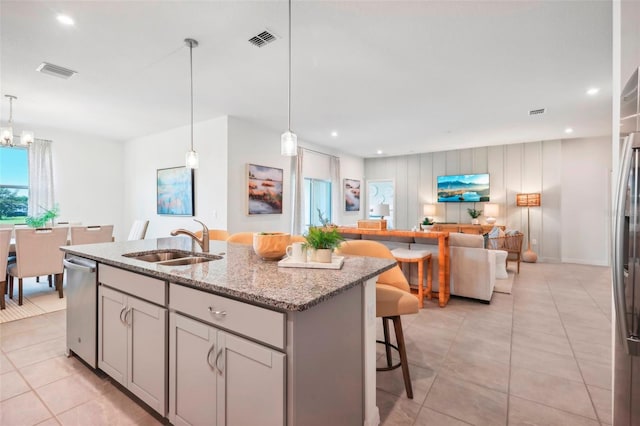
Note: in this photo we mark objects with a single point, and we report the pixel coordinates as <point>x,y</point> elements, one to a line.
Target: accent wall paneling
<point>524,167</point>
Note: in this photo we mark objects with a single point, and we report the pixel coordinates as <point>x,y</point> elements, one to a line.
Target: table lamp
<point>491,210</point>
<point>380,210</point>
<point>528,200</point>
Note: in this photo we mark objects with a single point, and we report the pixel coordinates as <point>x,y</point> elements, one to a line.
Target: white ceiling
<point>403,77</point>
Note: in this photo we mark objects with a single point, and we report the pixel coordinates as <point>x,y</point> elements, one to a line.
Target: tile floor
<point>540,356</point>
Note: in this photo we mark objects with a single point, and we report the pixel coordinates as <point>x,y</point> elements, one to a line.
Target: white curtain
<point>40,177</point>
<point>297,194</point>
<point>336,203</point>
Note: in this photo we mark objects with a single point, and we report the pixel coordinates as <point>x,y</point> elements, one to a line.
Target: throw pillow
<point>501,265</point>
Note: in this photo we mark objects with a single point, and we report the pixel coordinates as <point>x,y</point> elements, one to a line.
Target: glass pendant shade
<point>289,144</point>
<point>191,160</point>
<point>26,137</point>
<point>6,135</point>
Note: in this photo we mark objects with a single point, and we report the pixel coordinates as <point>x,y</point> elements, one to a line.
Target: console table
<point>443,251</point>
<point>465,228</point>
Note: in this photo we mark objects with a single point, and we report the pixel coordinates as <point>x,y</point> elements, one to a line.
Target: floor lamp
<point>528,200</point>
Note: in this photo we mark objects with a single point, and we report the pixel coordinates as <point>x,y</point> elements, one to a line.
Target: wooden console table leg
<point>420,283</point>
<point>429,279</point>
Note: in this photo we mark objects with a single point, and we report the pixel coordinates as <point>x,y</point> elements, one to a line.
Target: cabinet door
<point>192,377</point>
<point>251,387</point>
<point>147,357</point>
<point>112,334</point>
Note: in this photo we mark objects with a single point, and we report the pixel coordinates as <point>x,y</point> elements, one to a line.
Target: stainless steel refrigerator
<point>626,264</point>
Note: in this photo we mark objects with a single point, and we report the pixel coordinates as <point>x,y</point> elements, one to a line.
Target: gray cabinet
<point>132,345</point>
<point>216,377</point>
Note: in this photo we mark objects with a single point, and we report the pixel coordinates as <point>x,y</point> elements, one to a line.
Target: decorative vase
<point>475,221</point>
<point>271,245</point>
<point>321,255</point>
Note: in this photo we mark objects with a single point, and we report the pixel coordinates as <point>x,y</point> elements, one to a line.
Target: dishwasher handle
<point>76,265</point>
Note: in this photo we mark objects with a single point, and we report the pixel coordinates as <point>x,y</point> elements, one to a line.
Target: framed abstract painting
<point>175,194</point>
<point>264,190</point>
<point>351,192</point>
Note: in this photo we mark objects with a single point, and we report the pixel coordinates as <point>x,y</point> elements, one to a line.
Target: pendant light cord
<point>289,91</point>
<point>191,71</point>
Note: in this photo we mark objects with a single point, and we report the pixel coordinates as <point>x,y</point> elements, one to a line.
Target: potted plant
<point>321,241</point>
<point>427,224</point>
<point>41,220</point>
<point>475,214</point>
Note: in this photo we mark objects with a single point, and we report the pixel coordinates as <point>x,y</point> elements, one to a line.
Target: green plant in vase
<point>321,241</point>
<point>475,214</point>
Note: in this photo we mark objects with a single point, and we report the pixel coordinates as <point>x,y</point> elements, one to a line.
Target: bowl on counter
<point>271,245</point>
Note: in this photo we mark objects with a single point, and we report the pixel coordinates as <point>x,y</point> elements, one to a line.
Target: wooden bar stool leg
<point>397,325</point>
<point>387,348</point>
<point>3,285</point>
<point>10,286</point>
<point>58,280</point>
<point>20,291</point>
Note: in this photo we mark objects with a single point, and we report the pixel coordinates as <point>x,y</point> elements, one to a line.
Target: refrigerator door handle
<point>620,304</point>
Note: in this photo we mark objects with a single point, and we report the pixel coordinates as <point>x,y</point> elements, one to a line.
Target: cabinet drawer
<point>144,287</point>
<point>251,321</point>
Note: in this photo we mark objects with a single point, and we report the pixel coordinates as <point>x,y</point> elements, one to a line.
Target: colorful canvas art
<point>175,191</point>
<point>264,186</point>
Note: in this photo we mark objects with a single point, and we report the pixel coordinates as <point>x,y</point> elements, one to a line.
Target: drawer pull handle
<point>209,357</point>
<point>217,313</point>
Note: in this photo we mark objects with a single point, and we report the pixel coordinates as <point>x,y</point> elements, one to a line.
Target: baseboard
<point>586,262</point>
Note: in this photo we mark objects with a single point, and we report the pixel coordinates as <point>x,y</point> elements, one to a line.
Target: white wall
<point>88,178</point>
<point>545,167</point>
<point>143,156</point>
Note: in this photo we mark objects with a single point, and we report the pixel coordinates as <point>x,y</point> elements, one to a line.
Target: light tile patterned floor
<point>541,355</point>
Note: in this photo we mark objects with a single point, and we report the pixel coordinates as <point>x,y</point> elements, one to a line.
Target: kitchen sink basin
<point>172,257</point>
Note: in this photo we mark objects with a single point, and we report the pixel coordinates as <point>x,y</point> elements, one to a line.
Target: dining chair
<point>38,253</point>
<point>393,299</point>
<point>245,238</point>
<point>215,234</point>
<point>91,234</point>
<point>138,230</point>
<point>298,239</point>
<point>5,239</point>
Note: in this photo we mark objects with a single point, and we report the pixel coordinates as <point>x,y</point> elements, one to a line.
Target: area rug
<point>504,286</point>
<point>38,299</point>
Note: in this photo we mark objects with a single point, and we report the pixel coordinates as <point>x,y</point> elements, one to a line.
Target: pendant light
<point>289,140</point>
<point>191,158</point>
<point>6,133</point>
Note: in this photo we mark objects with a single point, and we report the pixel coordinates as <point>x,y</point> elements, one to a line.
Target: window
<point>317,200</point>
<point>14,184</point>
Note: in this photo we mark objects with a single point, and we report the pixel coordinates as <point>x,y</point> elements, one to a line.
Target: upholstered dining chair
<point>215,234</point>
<point>298,239</point>
<point>393,299</point>
<point>91,234</point>
<point>38,253</point>
<point>5,239</point>
<point>138,230</point>
<point>241,238</point>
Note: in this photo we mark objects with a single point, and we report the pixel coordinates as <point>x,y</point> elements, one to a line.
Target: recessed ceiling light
<point>568,130</point>
<point>379,152</point>
<point>65,19</point>
<point>334,134</point>
<point>593,91</point>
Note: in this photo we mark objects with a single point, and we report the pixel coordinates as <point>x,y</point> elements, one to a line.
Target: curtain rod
<point>318,152</point>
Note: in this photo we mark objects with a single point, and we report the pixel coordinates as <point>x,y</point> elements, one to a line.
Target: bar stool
<point>417,256</point>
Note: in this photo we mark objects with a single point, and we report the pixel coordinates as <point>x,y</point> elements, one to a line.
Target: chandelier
<point>6,133</point>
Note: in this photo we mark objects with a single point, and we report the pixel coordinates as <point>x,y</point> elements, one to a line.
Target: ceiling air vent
<point>56,70</point>
<point>262,39</point>
<point>537,111</point>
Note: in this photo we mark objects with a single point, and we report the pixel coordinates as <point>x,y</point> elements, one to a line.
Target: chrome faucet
<point>202,242</point>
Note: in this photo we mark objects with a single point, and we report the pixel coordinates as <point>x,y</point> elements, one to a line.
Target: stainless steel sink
<point>186,261</point>
<point>172,257</point>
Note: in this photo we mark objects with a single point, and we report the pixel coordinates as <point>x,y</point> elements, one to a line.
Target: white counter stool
<point>419,257</point>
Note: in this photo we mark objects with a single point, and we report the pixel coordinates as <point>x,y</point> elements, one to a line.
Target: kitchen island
<point>238,340</point>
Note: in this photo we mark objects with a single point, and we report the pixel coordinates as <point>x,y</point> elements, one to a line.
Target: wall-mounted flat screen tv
<point>463,188</point>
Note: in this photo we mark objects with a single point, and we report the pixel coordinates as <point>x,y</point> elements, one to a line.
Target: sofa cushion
<point>501,265</point>
<point>457,239</point>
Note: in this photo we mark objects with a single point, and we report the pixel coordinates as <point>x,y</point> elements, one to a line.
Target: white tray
<point>336,263</point>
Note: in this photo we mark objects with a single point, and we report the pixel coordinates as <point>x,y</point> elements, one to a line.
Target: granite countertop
<point>240,273</point>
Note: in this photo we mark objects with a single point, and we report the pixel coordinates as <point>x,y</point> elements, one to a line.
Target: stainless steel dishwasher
<point>82,312</point>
